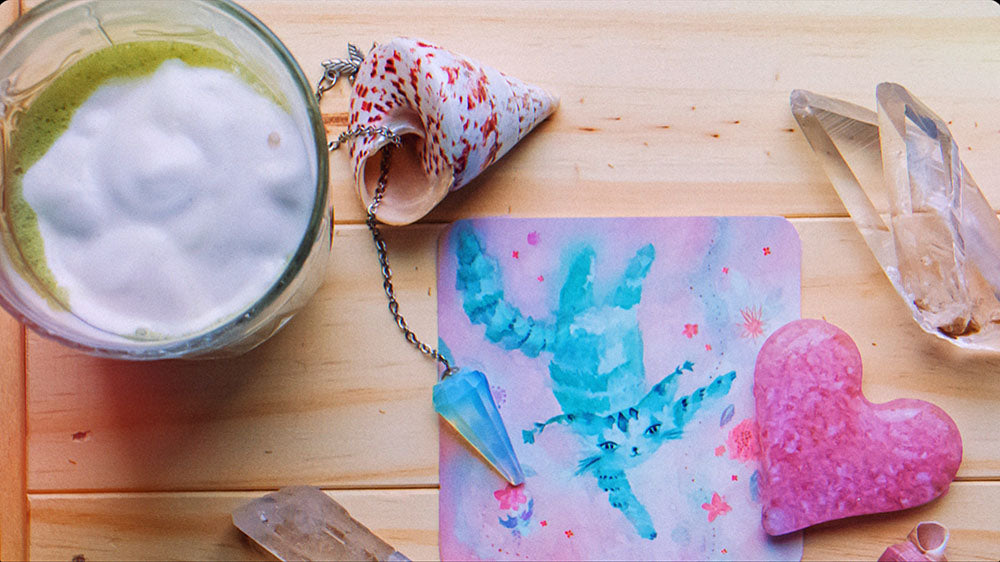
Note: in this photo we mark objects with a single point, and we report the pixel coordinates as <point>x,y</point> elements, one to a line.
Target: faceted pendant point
<point>464,400</point>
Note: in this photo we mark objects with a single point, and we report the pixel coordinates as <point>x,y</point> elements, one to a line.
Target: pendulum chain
<point>332,71</point>
<point>383,258</point>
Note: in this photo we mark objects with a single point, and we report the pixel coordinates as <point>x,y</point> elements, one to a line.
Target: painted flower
<point>742,442</point>
<point>753,322</point>
<point>510,497</point>
<point>690,330</point>
<point>499,396</point>
<point>717,507</point>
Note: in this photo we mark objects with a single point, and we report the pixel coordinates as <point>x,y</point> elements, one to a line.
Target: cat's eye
<point>608,445</point>
<point>652,430</point>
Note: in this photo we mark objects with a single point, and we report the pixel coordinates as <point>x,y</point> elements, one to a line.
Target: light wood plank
<point>669,108</point>
<point>339,399</point>
<point>672,108</point>
<point>968,510</point>
<point>13,499</point>
<point>713,74</point>
<point>197,526</point>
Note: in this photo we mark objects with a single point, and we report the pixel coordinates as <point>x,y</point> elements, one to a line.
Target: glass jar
<point>49,39</point>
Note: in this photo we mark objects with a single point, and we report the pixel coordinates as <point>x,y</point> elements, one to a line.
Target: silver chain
<point>332,71</point>
<point>383,258</point>
<point>364,131</point>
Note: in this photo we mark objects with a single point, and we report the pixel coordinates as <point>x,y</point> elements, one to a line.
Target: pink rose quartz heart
<point>826,451</point>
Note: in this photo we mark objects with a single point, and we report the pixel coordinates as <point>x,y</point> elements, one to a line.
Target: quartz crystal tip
<point>464,400</point>
<point>303,523</point>
<point>900,175</point>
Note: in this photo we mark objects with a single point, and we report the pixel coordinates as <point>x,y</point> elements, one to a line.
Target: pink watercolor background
<point>706,271</point>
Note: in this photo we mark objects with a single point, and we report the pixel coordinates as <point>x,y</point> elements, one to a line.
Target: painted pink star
<point>541,278</point>
<point>717,507</point>
<point>510,497</point>
<point>720,450</point>
<point>708,347</point>
<point>725,270</point>
<point>767,250</point>
<point>753,323</point>
<point>515,254</point>
<point>690,330</point>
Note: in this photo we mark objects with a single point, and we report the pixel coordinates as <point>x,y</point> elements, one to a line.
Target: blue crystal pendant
<point>465,401</point>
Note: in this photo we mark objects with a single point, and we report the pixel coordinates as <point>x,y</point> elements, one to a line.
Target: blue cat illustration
<point>597,371</point>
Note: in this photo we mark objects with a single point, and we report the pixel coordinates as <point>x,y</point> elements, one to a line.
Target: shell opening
<point>930,536</point>
<point>410,192</point>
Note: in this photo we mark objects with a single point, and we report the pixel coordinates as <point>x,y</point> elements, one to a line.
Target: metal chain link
<point>332,71</point>
<point>383,258</point>
<point>364,131</point>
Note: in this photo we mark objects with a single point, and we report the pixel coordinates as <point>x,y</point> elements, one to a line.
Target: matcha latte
<point>164,178</point>
<point>156,189</point>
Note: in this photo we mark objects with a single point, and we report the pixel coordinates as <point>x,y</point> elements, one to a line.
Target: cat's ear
<point>622,423</point>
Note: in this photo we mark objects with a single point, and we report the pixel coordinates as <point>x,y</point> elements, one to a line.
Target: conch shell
<point>455,118</point>
<point>926,541</point>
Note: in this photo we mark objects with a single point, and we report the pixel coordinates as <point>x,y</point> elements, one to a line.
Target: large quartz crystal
<point>303,523</point>
<point>930,228</point>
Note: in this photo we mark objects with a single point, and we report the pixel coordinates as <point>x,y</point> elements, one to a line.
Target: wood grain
<point>339,402</point>
<point>668,108</point>
<point>337,399</point>
<point>13,499</point>
<point>197,526</point>
<point>673,108</point>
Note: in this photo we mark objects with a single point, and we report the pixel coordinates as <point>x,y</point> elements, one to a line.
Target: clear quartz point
<point>930,228</point>
<point>464,400</point>
<point>303,523</point>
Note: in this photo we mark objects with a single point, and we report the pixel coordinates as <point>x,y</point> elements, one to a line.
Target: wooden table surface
<point>668,108</point>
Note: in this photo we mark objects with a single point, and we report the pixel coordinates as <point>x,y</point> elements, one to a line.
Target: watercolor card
<point>620,353</point>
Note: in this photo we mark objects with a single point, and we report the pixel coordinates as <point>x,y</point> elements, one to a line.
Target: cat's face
<point>631,439</point>
<point>627,439</point>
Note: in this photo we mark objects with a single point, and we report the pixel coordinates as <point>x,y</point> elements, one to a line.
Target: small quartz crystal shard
<point>465,401</point>
<point>932,230</point>
<point>303,523</point>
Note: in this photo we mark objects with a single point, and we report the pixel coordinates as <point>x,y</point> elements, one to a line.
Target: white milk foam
<point>172,202</point>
